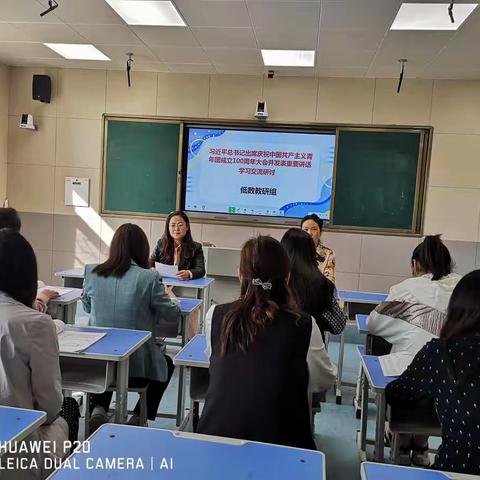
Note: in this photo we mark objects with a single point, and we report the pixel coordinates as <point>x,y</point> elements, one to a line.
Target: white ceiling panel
<point>344,58</point>
<point>462,51</point>
<point>17,49</point>
<point>352,16</point>
<point>39,32</point>
<point>291,38</point>
<point>94,12</point>
<point>225,37</point>
<point>166,36</point>
<point>191,68</point>
<point>301,15</point>
<point>352,38</point>
<point>393,71</point>
<point>23,11</point>
<point>108,34</point>
<point>239,56</point>
<point>208,13</point>
<point>181,54</point>
<point>417,47</point>
<point>118,53</point>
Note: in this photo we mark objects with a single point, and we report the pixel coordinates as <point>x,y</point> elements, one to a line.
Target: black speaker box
<point>42,88</point>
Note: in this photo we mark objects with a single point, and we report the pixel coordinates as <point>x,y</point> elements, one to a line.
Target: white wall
<point>68,142</point>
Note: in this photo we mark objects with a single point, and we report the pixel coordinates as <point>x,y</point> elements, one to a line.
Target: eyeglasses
<point>177,225</point>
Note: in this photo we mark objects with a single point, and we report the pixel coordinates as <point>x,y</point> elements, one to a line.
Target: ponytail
<point>433,257</point>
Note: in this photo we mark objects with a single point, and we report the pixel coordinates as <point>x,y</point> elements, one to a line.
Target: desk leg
<point>122,391</point>
<point>363,411</point>
<point>341,351</point>
<point>380,427</point>
<point>181,380</point>
<point>70,311</point>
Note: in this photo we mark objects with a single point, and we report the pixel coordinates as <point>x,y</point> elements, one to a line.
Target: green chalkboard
<point>378,179</point>
<point>140,166</point>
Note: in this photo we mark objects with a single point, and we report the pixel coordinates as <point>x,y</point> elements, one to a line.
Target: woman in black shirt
<point>264,356</point>
<point>176,247</point>
<point>447,370</point>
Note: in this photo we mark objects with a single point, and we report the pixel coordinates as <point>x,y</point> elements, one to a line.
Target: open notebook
<point>72,341</point>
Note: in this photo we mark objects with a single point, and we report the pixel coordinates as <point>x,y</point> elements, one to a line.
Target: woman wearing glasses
<point>176,247</point>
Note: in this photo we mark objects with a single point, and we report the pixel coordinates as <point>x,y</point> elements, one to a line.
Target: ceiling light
<point>144,12</point>
<point>75,51</point>
<point>289,58</point>
<point>430,16</point>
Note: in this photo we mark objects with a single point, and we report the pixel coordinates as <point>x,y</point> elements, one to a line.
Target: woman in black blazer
<point>176,247</point>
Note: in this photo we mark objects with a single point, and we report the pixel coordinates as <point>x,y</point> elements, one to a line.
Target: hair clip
<point>264,285</point>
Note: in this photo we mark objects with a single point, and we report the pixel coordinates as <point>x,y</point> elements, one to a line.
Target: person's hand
<point>169,292</point>
<point>183,275</point>
<point>50,293</point>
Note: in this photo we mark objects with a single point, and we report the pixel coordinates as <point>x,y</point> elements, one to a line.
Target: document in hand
<point>394,364</point>
<point>71,341</point>
<point>166,270</point>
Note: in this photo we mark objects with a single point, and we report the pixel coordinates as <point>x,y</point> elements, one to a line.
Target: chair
<point>419,420</point>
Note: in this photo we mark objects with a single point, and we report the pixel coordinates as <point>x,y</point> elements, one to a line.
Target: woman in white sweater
<point>413,314</point>
<point>29,361</point>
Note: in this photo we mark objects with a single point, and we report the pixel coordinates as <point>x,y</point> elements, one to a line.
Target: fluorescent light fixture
<point>145,12</point>
<point>77,51</point>
<point>289,58</point>
<point>431,16</point>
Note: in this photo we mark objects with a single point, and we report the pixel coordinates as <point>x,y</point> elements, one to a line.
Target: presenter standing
<point>313,224</point>
<point>176,247</point>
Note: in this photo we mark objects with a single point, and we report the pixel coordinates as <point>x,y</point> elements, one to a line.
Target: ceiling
<point>351,38</point>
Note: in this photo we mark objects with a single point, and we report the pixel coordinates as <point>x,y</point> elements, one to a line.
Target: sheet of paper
<point>395,364</point>
<point>70,341</point>
<point>166,270</point>
<point>60,290</point>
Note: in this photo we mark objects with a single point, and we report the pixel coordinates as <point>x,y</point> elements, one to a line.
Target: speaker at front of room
<point>41,88</point>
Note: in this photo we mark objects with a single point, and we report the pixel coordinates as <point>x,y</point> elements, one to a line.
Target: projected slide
<point>247,172</point>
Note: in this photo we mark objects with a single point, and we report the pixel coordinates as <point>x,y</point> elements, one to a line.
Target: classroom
<point>239,238</point>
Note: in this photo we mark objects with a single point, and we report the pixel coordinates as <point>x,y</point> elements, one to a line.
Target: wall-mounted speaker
<point>42,88</point>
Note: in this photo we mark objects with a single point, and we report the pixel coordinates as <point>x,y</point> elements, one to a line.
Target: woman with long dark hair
<point>265,355</point>
<point>177,247</point>
<point>447,371</point>
<point>315,294</point>
<point>313,225</point>
<point>414,313</point>
<point>123,292</point>
<point>29,359</point>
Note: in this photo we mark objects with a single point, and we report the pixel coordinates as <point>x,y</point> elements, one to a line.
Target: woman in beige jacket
<point>29,359</point>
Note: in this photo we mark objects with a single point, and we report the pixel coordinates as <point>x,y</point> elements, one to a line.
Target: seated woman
<point>265,356</point>
<point>413,314</point>
<point>122,292</point>
<point>9,218</point>
<point>29,359</point>
<point>314,294</point>
<point>414,311</point>
<point>313,225</point>
<point>176,247</point>
<point>447,371</point>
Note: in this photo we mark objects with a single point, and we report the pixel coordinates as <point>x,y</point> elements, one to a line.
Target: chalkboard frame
<point>140,119</point>
<point>257,222</point>
<point>421,184</point>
